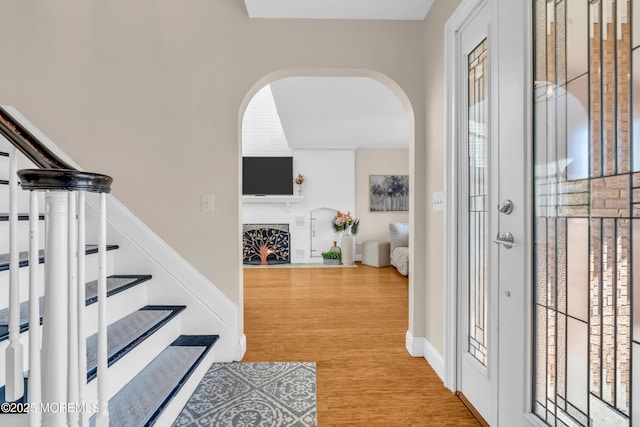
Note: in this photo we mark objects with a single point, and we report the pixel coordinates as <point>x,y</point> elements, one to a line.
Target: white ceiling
<point>340,113</point>
<point>339,9</point>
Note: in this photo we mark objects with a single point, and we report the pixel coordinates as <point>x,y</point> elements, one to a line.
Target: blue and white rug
<point>264,394</point>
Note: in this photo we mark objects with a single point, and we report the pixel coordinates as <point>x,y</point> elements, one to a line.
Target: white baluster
<point>54,338</point>
<point>102,418</point>
<point>72,325</point>
<point>14,371</point>
<point>35,380</point>
<point>82,343</point>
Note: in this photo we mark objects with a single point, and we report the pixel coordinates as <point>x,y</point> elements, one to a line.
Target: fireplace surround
<point>266,244</point>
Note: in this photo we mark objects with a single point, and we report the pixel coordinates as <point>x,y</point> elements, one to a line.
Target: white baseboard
<point>241,348</point>
<point>415,346</point>
<point>435,359</point>
<point>421,347</point>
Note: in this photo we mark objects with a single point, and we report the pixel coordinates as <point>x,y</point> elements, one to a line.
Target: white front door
<point>477,257</point>
<point>493,245</point>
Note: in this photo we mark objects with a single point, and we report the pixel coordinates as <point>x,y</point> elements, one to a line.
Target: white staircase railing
<point>14,379</point>
<point>57,360</point>
<point>35,375</point>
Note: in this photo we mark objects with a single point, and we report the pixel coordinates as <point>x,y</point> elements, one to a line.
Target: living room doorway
<point>340,136</point>
<point>375,223</point>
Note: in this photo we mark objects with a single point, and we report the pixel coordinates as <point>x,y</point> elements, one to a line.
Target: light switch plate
<point>206,203</point>
<point>438,201</point>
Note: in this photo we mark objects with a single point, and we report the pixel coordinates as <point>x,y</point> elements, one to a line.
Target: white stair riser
<point>23,162</point>
<point>7,147</point>
<point>125,369</point>
<point>4,167</point>
<point>118,306</point>
<point>24,339</point>
<point>23,275</point>
<point>92,274</point>
<point>15,420</point>
<point>23,236</point>
<point>23,200</point>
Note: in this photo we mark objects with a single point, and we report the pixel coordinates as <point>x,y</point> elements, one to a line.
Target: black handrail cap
<point>64,180</point>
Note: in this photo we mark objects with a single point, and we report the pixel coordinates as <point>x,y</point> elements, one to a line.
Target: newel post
<point>54,337</point>
<point>63,367</point>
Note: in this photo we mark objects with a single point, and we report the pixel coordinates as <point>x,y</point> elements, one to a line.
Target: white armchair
<point>399,239</point>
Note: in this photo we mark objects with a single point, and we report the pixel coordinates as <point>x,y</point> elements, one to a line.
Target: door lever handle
<point>505,240</point>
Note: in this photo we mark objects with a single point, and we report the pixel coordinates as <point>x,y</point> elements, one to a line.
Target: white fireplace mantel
<point>273,199</point>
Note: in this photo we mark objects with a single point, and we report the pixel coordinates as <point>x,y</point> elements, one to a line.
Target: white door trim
<point>453,97</point>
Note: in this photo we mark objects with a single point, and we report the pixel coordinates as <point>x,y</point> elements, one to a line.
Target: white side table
<point>375,253</point>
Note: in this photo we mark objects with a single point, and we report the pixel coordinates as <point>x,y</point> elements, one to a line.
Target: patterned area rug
<point>264,394</point>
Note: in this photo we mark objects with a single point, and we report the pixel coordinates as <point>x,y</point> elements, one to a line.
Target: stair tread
<point>115,284</point>
<point>21,217</point>
<point>142,400</point>
<point>24,256</point>
<point>125,334</point>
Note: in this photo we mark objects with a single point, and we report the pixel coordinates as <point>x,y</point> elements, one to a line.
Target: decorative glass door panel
<point>477,279</point>
<point>477,206</point>
<point>587,212</point>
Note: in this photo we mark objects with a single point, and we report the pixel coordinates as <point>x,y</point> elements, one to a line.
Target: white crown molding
<point>413,10</point>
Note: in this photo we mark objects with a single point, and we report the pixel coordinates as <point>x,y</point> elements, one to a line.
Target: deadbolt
<point>506,207</point>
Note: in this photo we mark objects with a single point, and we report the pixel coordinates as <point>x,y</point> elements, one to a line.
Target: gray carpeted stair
<point>126,333</point>
<point>142,400</point>
<point>115,284</point>
<point>24,256</point>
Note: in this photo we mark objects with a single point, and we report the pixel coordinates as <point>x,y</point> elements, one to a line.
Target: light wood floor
<point>352,322</point>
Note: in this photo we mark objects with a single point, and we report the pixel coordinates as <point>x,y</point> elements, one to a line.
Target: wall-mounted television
<point>267,176</point>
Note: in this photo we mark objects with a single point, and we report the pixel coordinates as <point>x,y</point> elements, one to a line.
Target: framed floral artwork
<point>388,193</point>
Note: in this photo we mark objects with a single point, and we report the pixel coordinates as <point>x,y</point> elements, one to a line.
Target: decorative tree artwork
<point>388,193</point>
<point>265,244</point>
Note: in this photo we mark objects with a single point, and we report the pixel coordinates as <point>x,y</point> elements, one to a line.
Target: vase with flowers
<point>347,226</point>
<point>298,180</point>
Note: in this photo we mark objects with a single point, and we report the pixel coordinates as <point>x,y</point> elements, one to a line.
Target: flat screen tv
<point>263,176</point>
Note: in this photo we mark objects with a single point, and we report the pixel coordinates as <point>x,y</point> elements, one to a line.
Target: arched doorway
<point>417,194</point>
